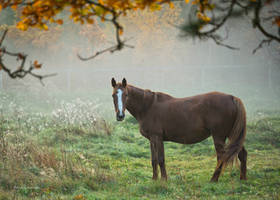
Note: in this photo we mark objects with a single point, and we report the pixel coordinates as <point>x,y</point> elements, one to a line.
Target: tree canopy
<point>205,19</point>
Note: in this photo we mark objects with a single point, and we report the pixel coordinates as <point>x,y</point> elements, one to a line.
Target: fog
<point>161,61</point>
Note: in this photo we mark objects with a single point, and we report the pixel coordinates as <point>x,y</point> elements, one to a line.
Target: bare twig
<point>268,41</point>
<point>110,49</point>
<point>3,37</point>
<point>20,72</point>
<point>218,42</point>
<point>257,22</point>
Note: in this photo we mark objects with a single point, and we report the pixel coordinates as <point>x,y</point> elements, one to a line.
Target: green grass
<point>189,168</point>
<point>51,158</point>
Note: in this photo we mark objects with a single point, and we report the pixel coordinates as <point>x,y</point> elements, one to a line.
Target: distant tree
<point>206,18</point>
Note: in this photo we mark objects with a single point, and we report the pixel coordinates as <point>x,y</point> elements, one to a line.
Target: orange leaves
<point>202,7</point>
<point>14,7</point>
<point>37,65</point>
<point>154,7</point>
<point>195,2</point>
<point>38,13</point>
<point>43,26</point>
<point>203,17</point>
<point>101,2</point>
<point>121,31</point>
<point>277,21</point>
<point>22,26</point>
<point>59,21</point>
<point>82,12</point>
<point>90,21</point>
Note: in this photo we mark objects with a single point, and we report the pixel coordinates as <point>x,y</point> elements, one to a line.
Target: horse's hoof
<point>213,180</point>
<point>155,178</point>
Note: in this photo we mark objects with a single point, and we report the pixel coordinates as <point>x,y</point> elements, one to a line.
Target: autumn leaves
<point>38,13</point>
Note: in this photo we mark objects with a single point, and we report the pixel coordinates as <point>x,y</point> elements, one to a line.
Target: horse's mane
<point>148,94</point>
<point>162,96</point>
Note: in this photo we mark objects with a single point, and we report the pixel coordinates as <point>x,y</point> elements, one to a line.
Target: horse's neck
<point>139,101</point>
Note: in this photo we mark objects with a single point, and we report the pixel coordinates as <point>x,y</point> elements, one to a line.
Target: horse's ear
<point>113,81</point>
<point>124,82</point>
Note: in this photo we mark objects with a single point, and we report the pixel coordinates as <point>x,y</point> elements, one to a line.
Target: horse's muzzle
<point>120,117</point>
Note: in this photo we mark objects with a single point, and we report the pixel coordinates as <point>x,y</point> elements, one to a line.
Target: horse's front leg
<point>154,158</point>
<point>157,149</point>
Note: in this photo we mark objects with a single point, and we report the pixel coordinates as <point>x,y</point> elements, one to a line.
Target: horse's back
<point>217,110</point>
<point>193,119</point>
<point>213,103</point>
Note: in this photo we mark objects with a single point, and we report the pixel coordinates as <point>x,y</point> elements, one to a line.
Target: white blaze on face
<point>120,103</point>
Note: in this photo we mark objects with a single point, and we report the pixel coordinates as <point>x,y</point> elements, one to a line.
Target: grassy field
<point>72,152</point>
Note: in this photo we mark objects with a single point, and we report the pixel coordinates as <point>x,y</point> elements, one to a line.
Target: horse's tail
<point>236,137</point>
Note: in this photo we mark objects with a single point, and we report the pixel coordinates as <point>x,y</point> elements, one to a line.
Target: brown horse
<point>187,120</point>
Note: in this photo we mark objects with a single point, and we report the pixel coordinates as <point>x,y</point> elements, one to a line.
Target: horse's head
<point>119,98</point>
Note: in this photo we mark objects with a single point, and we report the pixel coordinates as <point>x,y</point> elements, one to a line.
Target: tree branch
<point>257,24</point>
<point>268,41</point>
<point>118,28</point>
<point>20,72</point>
<point>231,9</point>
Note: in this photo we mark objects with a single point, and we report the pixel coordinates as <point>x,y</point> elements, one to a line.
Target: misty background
<point>161,60</point>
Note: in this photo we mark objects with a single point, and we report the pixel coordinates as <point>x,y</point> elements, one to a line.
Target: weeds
<point>35,149</point>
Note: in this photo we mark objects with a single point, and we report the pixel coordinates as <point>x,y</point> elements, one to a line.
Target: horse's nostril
<point>120,117</point>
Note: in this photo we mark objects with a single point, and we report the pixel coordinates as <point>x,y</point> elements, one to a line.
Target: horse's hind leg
<point>219,146</point>
<point>242,155</point>
<point>161,159</point>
